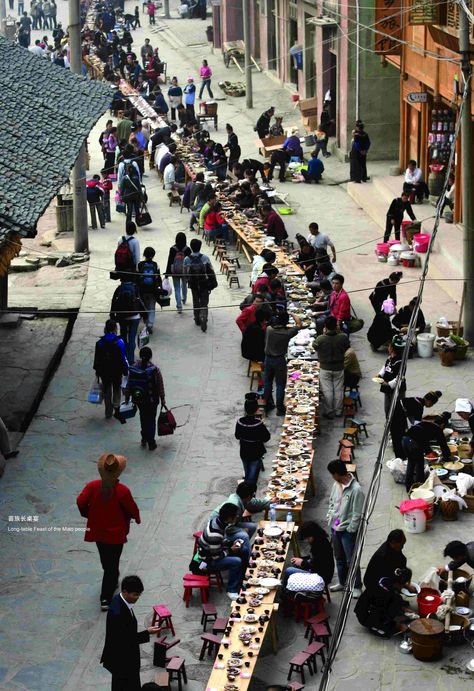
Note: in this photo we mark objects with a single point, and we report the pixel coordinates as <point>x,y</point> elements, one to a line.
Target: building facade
<point>314,47</point>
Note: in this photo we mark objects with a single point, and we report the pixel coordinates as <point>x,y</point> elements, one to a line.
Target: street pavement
<point>52,629</point>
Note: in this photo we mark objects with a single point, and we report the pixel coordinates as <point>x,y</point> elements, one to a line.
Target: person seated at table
<point>292,145</point>
<point>243,196</point>
<point>215,552</point>
<point>321,557</point>
<point>382,609</point>
<point>386,559</point>
<point>274,226</point>
<point>352,371</point>
<point>381,331</point>
<point>252,346</point>
<point>244,496</point>
<point>306,257</point>
<point>262,284</point>
<point>169,178</point>
<point>266,256</point>
<point>276,295</point>
<point>248,314</point>
<point>315,169</point>
<point>403,316</point>
<point>212,221</point>
<point>414,185</point>
<point>186,119</point>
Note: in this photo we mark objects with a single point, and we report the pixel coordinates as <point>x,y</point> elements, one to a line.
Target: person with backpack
<point>127,306</point>
<point>110,363</point>
<point>129,182</point>
<point>175,268</point>
<point>146,389</point>
<point>127,254</point>
<point>201,280</point>
<point>149,280</point>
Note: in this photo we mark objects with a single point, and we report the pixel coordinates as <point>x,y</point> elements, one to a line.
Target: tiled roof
<point>47,112</point>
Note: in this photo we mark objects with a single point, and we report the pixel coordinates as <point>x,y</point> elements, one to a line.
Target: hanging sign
<point>417,97</point>
<point>388,27</point>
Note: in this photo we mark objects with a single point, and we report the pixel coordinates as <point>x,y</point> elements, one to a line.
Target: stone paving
<point>52,631</point>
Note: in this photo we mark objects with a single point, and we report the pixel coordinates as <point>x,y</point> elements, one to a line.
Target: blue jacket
<point>292,146</point>
<point>315,168</point>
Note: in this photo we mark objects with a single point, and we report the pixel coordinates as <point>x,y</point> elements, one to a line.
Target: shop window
<point>441,134</point>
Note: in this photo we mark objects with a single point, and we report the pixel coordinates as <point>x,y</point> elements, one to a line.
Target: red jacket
<point>340,305</point>
<point>246,317</point>
<point>108,517</point>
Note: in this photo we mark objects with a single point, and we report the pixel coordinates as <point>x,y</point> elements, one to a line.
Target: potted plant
<point>461,347</point>
<point>446,351</point>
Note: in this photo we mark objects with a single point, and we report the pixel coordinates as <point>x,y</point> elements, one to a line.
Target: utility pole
<point>3,14</point>
<point>166,7</point>
<point>248,61</point>
<point>78,175</point>
<point>467,178</point>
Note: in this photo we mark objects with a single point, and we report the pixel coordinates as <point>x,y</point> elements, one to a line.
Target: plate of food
<point>286,494</point>
<point>261,591</point>
<point>253,581</point>
<point>378,380</point>
<point>271,583</point>
<point>234,662</point>
<point>272,531</point>
<point>250,618</point>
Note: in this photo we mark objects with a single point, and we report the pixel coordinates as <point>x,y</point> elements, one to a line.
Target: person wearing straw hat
<point>465,410</point>
<point>109,507</point>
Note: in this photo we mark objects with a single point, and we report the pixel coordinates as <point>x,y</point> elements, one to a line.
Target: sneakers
<point>336,588</point>
<point>104,605</point>
<point>356,593</point>
<point>203,327</point>
<point>233,596</point>
<point>143,443</point>
<point>152,445</point>
<point>11,454</point>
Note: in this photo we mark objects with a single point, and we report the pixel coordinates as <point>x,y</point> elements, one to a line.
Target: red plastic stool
<point>190,581</point>
<point>304,609</point>
<point>196,537</point>
<point>162,613</point>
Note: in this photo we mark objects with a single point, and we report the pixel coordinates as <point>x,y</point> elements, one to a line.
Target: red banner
<point>388,26</point>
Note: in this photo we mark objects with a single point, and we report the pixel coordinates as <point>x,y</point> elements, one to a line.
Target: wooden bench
<point>255,371</point>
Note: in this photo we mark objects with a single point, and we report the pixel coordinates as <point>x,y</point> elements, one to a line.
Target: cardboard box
<point>310,123</point>
<point>309,106</point>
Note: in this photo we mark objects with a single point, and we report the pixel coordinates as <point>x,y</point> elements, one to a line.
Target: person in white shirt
<point>320,240</point>
<point>169,181</point>
<point>449,196</point>
<point>37,50</point>
<point>414,184</point>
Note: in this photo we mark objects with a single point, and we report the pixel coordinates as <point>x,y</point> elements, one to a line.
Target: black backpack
<point>130,187</point>
<point>197,272</point>
<point>108,358</point>
<point>125,302</point>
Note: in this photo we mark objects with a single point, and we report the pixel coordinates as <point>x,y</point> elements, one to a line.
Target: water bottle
<point>272,514</point>
<point>289,519</point>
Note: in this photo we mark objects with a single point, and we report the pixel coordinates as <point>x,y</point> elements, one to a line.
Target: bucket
<point>428,496</point>
<point>421,242</point>
<point>295,98</point>
<point>427,639</point>
<point>309,140</point>
<point>415,521</point>
<point>424,344</point>
<point>408,259</point>
<point>382,248</point>
<point>428,601</point>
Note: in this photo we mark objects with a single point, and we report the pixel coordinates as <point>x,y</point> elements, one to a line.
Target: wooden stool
<point>225,266</point>
<point>196,537</point>
<point>346,444</point>
<point>305,608</point>
<point>209,611</point>
<point>162,613</point>
<point>352,434</point>
<point>215,578</point>
<point>176,667</point>
<point>295,686</point>
<point>190,581</point>
<point>314,649</point>
<point>219,244</point>
<point>234,260</point>
<point>219,626</point>
<point>162,680</point>
<point>352,468</point>
<point>256,371</point>
<point>210,644</point>
<point>320,633</point>
<point>361,426</point>
<point>320,618</point>
<point>298,663</point>
<point>232,277</point>
<point>174,197</point>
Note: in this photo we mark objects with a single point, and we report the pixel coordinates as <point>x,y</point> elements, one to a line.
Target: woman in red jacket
<point>109,507</point>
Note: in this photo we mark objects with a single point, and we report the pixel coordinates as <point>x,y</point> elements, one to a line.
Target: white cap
<point>463,405</point>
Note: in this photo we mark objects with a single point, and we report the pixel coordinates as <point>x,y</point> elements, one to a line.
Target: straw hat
<point>111,466</point>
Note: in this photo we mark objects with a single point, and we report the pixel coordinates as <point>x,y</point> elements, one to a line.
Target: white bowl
<point>448,432</point>
<point>270,583</point>
<point>272,531</point>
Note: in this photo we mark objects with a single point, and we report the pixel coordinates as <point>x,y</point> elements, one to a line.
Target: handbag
<point>355,324</point>
<point>121,208</point>
<point>166,422</point>
<point>309,582</point>
<point>162,298</point>
<point>96,392</point>
<point>128,410</point>
<point>144,337</point>
<point>143,218</point>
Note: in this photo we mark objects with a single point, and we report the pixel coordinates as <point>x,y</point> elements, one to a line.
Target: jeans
<point>148,421</point>
<point>275,368</point>
<point>332,389</point>
<point>106,205</point>
<point>97,207</point>
<point>343,546</point>
<point>236,571</point>
<point>112,393</point>
<point>252,470</point>
<point>180,290</point>
<point>416,462</point>
<point>321,145</point>
<point>109,558</point>
<point>133,205</point>
<point>200,303</point>
<point>149,301</point>
<point>206,84</point>
<point>220,231</point>
<point>128,333</point>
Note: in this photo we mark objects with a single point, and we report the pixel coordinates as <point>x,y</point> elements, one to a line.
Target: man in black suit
<point>121,654</point>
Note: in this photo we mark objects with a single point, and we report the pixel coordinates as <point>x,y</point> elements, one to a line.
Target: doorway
<point>272,35</point>
<point>309,61</point>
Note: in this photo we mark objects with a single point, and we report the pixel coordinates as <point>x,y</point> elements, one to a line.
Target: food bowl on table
<point>461,580</point>
<point>270,583</point>
<point>272,531</point>
<point>448,432</point>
